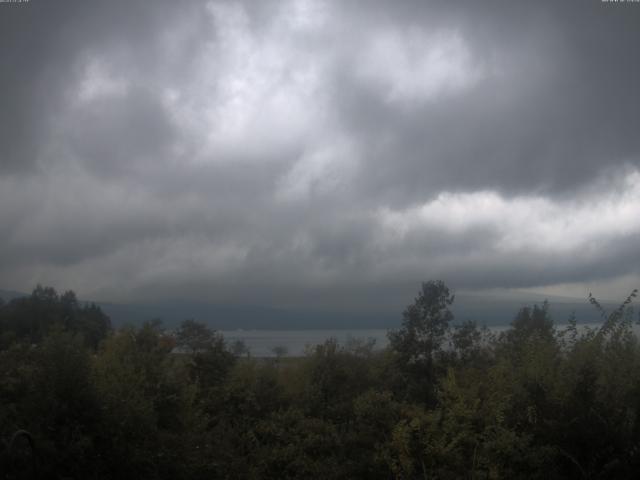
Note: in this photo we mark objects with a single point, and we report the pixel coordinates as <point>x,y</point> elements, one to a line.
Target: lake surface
<point>261,343</point>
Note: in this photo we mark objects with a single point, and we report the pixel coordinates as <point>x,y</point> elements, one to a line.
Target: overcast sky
<point>318,153</point>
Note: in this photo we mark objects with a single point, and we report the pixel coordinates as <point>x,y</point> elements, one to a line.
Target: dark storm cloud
<point>317,153</point>
<point>39,44</point>
<point>127,133</point>
<point>559,107</point>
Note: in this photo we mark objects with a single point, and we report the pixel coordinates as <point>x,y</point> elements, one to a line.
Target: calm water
<point>262,342</point>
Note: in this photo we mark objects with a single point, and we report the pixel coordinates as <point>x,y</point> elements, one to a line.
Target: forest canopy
<point>80,399</point>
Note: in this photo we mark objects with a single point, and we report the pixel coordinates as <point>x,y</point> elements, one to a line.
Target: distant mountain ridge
<point>490,310</point>
<point>8,295</point>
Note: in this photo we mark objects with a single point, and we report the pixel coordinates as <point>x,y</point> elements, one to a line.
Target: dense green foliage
<point>441,401</point>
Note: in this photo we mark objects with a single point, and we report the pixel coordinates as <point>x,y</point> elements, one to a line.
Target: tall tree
<point>424,329</point>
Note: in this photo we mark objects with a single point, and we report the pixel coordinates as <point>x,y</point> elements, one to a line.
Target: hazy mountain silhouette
<point>7,295</point>
<point>487,309</point>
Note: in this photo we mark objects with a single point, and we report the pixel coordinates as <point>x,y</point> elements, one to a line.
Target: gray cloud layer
<point>317,153</point>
